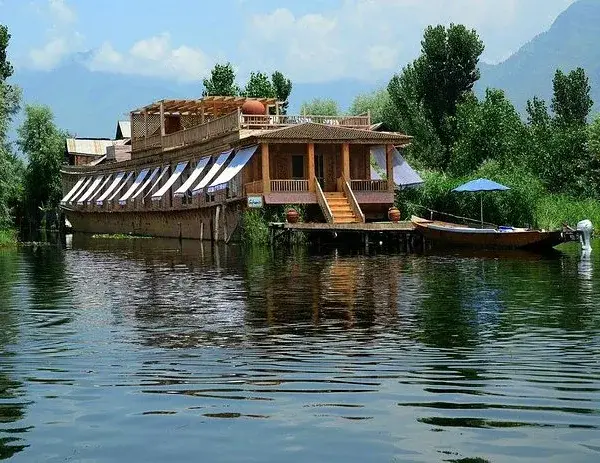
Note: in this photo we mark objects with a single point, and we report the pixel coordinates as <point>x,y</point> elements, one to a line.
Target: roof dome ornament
<point>253,108</point>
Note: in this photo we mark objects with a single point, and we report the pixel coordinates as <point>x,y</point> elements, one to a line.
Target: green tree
<point>283,88</point>
<point>320,107</point>
<point>594,136</point>
<point>488,130</point>
<point>377,103</point>
<point>407,114</point>
<point>221,81</point>
<point>572,102</point>
<point>446,70</point>
<point>259,86</point>
<point>43,144</point>
<point>11,168</point>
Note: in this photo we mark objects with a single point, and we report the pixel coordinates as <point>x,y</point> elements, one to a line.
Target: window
<point>297,167</point>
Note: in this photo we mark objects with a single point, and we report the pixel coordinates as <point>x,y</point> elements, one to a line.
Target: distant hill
<point>88,104</point>
<point>573,40</point>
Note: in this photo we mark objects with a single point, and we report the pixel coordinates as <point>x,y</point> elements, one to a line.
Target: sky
<point>308,40</point>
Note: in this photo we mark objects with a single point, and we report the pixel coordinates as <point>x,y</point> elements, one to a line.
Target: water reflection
<point>226,354</point>
<point>12,404</point>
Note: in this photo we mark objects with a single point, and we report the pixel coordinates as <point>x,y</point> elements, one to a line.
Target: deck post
<point>346,161</point>
<point>389,164</point>
<point>310,152</point>
<point>162,118</point>
<point>266,174</point>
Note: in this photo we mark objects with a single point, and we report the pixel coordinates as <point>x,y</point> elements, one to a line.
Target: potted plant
<point>292,215</point>
<point>394,214</point>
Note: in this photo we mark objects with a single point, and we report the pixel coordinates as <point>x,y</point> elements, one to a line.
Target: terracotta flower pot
<point>394,214</point>
<point>292,216</point>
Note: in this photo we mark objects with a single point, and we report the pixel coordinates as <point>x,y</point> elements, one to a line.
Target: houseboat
<point>193,166</point>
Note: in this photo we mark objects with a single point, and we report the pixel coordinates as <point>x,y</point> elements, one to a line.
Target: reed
<point>8,238</point>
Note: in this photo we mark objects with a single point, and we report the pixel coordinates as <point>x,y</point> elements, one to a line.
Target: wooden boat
<point>451,234</point>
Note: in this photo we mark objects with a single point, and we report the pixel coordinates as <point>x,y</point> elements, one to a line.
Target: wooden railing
<point>289,185</point>
<point>264,121</point>
<point>369,185</point>
<point>198,133</point>
<point>352,199</point>
<point>323,203</point>
<point>253,187</point>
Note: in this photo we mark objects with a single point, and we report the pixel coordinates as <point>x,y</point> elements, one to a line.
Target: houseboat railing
<point>236,121</point>
<point>253,187</point>
<point>323,203</point>
<point>289,185</point>
<point>264,121</point>
<point>345,184</point>
<point>191,135</point>
<point>369,185</point>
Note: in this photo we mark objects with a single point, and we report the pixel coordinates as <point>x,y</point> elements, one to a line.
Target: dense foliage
<point>320,107</point>
<point>222,82</point>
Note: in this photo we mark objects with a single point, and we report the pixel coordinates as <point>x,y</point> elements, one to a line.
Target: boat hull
<point>441,233</point>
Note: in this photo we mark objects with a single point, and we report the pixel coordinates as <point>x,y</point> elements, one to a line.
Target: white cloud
<point>154,56</point>
<point>62,39</point>
<point>61,12</point>
<point>366,39</point>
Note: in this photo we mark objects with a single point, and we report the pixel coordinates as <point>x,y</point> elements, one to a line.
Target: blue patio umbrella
<point>481,185</point>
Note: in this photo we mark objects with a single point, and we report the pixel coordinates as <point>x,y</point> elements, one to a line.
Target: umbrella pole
<point>481,200</point>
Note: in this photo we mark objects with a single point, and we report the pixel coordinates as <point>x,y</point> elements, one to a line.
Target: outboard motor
<point>585,229</point>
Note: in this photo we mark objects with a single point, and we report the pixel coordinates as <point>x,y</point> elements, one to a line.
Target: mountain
<point>88,104</point>
<point>571,42</point>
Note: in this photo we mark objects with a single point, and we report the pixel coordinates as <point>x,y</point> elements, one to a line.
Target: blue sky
<point>309,40</point>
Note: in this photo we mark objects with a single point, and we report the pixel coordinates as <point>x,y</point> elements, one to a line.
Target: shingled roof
<point>313,132</point>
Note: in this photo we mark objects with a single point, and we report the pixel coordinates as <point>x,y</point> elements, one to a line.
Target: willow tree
<point>221,81</point>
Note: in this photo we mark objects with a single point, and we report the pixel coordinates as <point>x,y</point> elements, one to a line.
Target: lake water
<point>152,350</point>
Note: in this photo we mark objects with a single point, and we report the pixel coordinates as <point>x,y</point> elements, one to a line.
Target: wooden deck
<point>407,227</point>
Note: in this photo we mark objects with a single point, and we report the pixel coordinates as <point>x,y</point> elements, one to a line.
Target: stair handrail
<point>323,202</point>
<point>352,199</point>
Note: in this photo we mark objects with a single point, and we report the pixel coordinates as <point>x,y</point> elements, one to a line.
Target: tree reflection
<point>12,408</point>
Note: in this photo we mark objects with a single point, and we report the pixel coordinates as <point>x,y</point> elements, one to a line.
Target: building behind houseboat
<point>189,168</point>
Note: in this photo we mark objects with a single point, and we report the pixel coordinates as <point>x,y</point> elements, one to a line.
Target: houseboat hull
<point>454,235</point>
<point>219,222</point>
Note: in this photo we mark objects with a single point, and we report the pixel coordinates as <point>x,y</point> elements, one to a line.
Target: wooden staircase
<point>340,208</point>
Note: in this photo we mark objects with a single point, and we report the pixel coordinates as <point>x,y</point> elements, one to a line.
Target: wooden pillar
<point>145,123</point>
<point>202,113</point>
<point>162,119</point>
<point>346,161</point>
<point>310,153</point>
<point>389,165</point>
<point>266,171</point>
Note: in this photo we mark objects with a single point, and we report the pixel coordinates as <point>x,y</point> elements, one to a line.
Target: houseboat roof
<point>90,146</point>
<point>212,106</point>
<point>315,132</point>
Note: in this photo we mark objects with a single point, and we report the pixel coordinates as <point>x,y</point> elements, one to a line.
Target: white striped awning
<point>148,181</point>
<point>110,189</point>
<point>100,189</point>
<point>235,166</point>
<point>164,171</point>
<point>90,190</point>
<point>221,160</point>
<point>73,190</point>
<point>172,179</point>
<point>183,189</point>
<point>138,181</point>
<point>82,190</point>
<point>121,186</point>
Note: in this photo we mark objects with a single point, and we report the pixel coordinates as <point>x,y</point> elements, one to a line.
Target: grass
<point>8,238</point>
<point>554,210</point>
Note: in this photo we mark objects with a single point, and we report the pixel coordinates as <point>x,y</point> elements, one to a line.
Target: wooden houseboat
<point>196,165</point>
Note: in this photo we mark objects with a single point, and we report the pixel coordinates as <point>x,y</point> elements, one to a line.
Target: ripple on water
<point>154,350</point>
